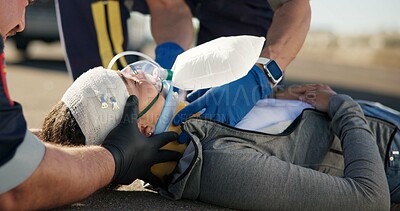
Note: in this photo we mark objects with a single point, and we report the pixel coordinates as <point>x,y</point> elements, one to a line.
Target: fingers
<point>183,137</point>
<point>318,96</point>
<point>153,180</point>
<point>309,94</point>
<point>309,97</point>
<point>306,93</point>
<point>297,89</point>
<point>166,156</point>
<point>164,138</point>
<point>305,87</point>
<point>318,87</point>
<point>187,112</point>
<point>195,95</point>
<point>131,110</point>
<point>291,92</point>
<point>212,115</point>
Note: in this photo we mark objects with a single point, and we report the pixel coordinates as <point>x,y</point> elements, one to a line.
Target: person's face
<point>145,91</point>
<point>12,17</point>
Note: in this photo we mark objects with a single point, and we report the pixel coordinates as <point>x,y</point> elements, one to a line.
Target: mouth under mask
<point>161,80</point>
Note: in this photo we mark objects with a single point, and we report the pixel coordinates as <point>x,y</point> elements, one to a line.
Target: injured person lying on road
<point>304,146</point>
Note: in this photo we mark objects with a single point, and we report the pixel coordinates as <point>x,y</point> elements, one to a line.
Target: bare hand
<point>317,95</point>
<point>290,93</point>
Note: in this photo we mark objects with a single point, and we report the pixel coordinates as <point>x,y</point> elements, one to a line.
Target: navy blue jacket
<point>12,121</point>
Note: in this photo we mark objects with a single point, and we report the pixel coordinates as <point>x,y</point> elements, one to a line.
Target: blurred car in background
<point>40,24</point>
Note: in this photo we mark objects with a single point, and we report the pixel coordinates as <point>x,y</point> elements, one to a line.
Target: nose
<point>21,26</point>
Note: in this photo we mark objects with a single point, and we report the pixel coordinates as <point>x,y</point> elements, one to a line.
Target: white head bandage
<point>97,100</point>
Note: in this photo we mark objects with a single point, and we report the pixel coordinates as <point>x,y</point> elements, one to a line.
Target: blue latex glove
<point>195,95</point>
<point>166,54</point>
<point>231,102</point>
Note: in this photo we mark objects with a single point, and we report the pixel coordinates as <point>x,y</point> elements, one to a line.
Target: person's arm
<point>288,31</point>
<point>275,184</point>
<point>168,17</point>
<point>171,21</point>
<point>64,176</point>
<point>67,175</point>
<point>364,183</point>
<point>230,102</point>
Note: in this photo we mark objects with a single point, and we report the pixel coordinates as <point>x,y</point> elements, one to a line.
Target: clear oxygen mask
<point>151,71</point>
<point>146,69</point>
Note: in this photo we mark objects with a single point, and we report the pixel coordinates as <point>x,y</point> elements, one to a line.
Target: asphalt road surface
<point>39,84</point>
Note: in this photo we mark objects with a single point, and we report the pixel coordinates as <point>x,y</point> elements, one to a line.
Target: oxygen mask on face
<point>152,72</point>
<point>146,69</point>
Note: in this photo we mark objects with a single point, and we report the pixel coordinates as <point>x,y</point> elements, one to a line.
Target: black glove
<point>134,154</point>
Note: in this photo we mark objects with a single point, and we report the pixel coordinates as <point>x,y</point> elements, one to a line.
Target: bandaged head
<point>97,100</point>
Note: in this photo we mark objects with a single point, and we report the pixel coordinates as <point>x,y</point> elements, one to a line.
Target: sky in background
<point>355,16</point>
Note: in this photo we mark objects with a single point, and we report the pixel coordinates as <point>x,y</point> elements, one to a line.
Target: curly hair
<point>60,127</point>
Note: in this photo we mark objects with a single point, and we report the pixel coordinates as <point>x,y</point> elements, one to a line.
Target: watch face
<point>274,70</point>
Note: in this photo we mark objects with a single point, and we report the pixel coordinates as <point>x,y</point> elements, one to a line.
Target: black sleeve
<point>12,131</point>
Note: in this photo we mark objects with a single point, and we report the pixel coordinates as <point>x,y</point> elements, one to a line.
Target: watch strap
<point>263,60</point>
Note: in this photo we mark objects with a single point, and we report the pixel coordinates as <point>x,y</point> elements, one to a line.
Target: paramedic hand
<point>133,153</point>
<point>228,103</point>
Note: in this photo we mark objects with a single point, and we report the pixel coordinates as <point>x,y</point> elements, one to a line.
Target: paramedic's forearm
<point>165,12</point>
<point>63,177</point>
<point>288,31</point>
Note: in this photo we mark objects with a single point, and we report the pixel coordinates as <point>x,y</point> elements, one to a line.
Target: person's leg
<point>92,32</point>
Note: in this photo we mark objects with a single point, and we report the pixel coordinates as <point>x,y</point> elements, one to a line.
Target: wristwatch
<point>271,69</point>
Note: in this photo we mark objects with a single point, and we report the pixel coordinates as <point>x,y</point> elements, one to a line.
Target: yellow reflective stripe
<point>114,20</point>
<point>103,41</point>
